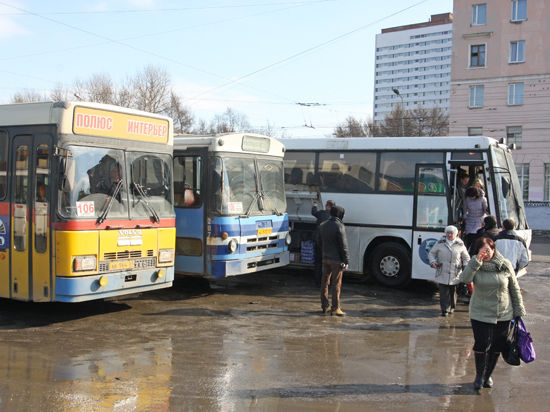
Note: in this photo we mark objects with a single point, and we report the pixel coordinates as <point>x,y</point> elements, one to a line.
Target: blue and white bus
<point>230,204</point>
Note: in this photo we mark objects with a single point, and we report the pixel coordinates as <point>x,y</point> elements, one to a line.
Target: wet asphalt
<point>259,343</point>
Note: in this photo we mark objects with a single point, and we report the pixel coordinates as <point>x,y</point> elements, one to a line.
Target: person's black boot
<point>481,360</point>
<point>492,359</point>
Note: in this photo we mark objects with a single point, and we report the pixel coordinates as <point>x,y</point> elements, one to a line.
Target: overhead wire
<point>306,51</point>
<point>232,81</point>
<point>172,60</point>
<point>171,9</point>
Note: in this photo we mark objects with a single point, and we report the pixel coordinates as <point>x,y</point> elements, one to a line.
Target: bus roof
<point>250,143</point>
<point>390,143</point>
<point>100,120</point>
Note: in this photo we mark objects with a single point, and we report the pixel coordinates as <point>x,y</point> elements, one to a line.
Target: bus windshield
<point>150,185</point>
<point>95,185</point>
<point>508,190</point>
<point>244,186</point>
<point>92,176</point>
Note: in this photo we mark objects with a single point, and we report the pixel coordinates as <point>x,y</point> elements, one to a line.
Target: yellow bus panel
<point>71,243</point>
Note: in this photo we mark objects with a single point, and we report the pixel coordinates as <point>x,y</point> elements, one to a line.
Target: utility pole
<point>396,91</point>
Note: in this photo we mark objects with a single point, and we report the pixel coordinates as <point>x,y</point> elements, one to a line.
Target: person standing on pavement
<point>321,215</point>
<point>448,257</point>
<point>512,246</point>
<point>495,302</point>
<point>334,246</point>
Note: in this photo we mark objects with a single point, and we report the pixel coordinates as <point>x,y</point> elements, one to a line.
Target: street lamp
<point>396,91</point>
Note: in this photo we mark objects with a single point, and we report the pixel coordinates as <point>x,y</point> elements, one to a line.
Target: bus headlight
<point>84,263</point>
<point>288,239</point>
<point>166,255</point>
<point>232,246</point>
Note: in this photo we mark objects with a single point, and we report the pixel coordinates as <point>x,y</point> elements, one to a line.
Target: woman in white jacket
<point>448,257</point>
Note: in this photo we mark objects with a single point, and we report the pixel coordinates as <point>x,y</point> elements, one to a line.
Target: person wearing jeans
<point>334,246</point>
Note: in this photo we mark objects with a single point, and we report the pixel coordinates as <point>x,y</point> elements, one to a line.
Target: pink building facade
<point>500,81</point>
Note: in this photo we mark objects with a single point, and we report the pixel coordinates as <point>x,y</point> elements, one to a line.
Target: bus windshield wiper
<point>257,195</point>
<point>144,198</point>
<point>109,202</point>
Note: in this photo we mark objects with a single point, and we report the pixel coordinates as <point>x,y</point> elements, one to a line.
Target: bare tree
<point>98,88</point>
<point>268,130</point>
<point>181,115</point>
<point>60,93</point>
<point>152,90</point>
<point>230,121</point>
<point>439,124</point>
<point>353,127</point>
<point>395,123</point>
<point>416,122</point>
<point>202,128</point>
<point>27,96</point>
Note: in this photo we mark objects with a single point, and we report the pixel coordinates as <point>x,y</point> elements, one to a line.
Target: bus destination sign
<point>105,123</point>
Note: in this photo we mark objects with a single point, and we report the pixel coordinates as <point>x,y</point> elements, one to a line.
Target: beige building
<point>500,81</point>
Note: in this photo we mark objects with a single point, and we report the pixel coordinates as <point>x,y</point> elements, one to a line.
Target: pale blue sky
<point>259,57</point>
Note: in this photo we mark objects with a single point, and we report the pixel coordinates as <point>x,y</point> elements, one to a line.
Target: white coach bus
<point>399,194</point>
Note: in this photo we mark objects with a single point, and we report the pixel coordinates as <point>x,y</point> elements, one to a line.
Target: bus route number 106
<point>85,209</point>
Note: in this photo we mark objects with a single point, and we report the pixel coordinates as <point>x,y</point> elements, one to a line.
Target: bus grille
<point>127,254</point>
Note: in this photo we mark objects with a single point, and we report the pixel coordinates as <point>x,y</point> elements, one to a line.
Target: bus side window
<point>299,166</point>
<point>3,163</point>
<point>41,200</point>
<point>187,181</point>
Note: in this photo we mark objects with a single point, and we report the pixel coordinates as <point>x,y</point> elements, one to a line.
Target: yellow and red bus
<point>86,201</point>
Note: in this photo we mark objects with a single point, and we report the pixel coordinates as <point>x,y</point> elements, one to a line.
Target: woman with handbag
<point>495,302</point>
<point>448,257</point>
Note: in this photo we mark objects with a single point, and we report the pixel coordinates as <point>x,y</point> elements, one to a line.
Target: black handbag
<point>510,354</point>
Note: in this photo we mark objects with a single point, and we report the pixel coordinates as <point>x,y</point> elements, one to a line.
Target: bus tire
<point>391,265</point>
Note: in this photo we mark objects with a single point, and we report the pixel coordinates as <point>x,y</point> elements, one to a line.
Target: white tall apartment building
<point>414,60</point>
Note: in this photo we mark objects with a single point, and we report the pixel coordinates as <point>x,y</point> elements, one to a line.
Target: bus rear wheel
<point>391,265</point>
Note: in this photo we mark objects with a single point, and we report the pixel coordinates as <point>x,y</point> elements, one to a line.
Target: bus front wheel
<point>391,265</point>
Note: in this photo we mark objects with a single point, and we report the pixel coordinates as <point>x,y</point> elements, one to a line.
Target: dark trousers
<point>318,273</point>
<point>469,240</point>
<point>447,297</point>
<point>331,270</point>
<point>490,336</point>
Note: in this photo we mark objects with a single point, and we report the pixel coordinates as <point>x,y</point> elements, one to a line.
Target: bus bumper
<point>79,289</point>
<point>226,268</point>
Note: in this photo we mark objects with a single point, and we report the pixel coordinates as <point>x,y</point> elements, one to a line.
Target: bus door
<point>430,215</point>
<point>30,275</point>
<point>189,200</point>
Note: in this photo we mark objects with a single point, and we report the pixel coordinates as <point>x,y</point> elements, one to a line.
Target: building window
<point>513,135</point>
<point>479,14</point>
<point>517,51</point>
<point>547,182</point>
<point>519,10</point>
<point>476,96</point>
<point>475,131</point>
<point>477,55</point>
<point>523,176</point>
<point>515,93</point>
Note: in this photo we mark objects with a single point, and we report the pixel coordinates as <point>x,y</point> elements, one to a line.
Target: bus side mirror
<point>512,146</point>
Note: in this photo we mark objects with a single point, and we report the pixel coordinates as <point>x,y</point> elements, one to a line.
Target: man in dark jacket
<point>488,229</point>
<point>334,245</point>
<point>321,215</point>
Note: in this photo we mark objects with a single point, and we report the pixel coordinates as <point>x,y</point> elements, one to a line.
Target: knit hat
<point>451,228</point>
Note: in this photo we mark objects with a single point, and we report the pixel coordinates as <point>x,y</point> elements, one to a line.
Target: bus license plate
<point>265,231</point>
<point>126,264</point>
